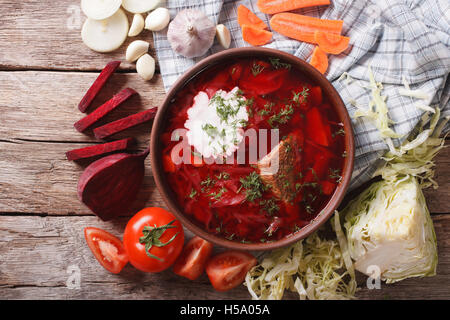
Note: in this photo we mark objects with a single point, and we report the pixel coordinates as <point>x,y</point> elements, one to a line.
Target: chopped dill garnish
<point>340,132</point>
<point>309,209</point>
<point>218,195</point>
<point>314,174</point>
<point>336,174</point>
<point>224,109</point>
<point>270,206</point>
<point>193,193</point>
<point>230,237</point>
<point>283,117</point>
<point>210,130</point>
<point>196,154</point>
<point>257,69</point>
<point>254,187</point>
<point>208,182</point>
<point>223,175</point>
<point>277,64</point>
<point>267,109</point>
<point>301,94</point>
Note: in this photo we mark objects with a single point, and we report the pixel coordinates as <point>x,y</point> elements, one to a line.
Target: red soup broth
<point>233,200</point>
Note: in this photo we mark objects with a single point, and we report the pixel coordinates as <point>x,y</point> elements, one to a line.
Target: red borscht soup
<point>294,174</point>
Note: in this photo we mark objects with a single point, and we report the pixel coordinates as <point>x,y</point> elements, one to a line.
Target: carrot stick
<point>331,42</point>
<point>302,27</point>
<point>245,16</point>
<point>255,36</point>
<point>319,60</point>
<point>276,6</point>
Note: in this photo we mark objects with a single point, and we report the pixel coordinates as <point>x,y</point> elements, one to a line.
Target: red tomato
<point>191,262</point>
<point>228,269</point>
<point>163,235</point>
<point>107,249</point>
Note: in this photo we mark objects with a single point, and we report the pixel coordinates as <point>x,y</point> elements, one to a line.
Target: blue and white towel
<point>399,39</point>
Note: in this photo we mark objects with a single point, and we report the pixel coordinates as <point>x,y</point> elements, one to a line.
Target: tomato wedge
<point>227,270</point>
<point>317,129</point>
<point>107,249</point>
<point>192,260</point>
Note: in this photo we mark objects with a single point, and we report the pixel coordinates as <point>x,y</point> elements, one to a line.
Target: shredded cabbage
<point>314,268</point>
<point>389,226</point>
<point>415,156</point>
<point>407,92</point>
<point>378,111</point>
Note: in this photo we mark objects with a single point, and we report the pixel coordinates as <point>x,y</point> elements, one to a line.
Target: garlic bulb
<point>191,33</point>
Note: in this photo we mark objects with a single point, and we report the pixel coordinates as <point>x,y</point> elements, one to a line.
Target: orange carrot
<point>302,27</point>
<point>245,16</point>
<point>319,60</point>
<point>331,42</point>
<point>276,6</point>
<point>255,36</point>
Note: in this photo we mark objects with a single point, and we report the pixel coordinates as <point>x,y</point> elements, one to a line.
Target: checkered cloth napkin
<point>399,39</point>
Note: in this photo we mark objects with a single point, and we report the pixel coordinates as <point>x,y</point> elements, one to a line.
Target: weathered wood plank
<point>36,178</point>
<point>37,252</point>
<point>43,106</point>
<point>36,129</point>
<point>45,35</point>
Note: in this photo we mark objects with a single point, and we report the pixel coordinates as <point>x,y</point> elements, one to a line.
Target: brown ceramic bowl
<point>160,122</point>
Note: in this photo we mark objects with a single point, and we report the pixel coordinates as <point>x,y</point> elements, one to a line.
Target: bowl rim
<point>333,96</point>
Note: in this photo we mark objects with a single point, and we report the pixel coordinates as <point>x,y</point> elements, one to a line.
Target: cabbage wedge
<point>389,226</point>
<point>315,268</point>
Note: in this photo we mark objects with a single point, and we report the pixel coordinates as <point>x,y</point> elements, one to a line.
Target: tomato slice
<point>328,187</point>
<point>315,96</point>
<point>107,249</point>
<point>317,130</point>
<point>265,82</point>
<point>319,169</point>
<point>168,164</point>
<point>192,260</point>
<point>227,270</point>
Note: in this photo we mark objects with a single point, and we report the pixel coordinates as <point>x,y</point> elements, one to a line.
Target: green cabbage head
<point>389,226</point>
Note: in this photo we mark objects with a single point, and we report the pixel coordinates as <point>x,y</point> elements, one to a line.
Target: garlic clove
<point>191,33</point>
<point>105,35</point>
<point>100,9</point>
<point>157,20</point>
<point>136,49</point>
<point>145,67</point>
<point>137,25</point>
<point>223,36</point>
<point>140,6</point>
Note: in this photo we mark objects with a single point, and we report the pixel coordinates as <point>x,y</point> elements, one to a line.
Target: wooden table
<point>44,71</point>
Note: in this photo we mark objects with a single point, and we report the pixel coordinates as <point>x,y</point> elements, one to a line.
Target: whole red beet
<point>110,185</point>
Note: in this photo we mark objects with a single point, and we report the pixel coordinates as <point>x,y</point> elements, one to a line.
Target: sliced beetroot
<point>99,149</point>
<point>110,185</point>
<point>125,123</point>
<point>98,85</point>
<point>104,109</point>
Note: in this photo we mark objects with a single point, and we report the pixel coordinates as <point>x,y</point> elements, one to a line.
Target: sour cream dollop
<point>214,126</point>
